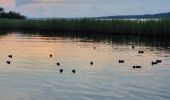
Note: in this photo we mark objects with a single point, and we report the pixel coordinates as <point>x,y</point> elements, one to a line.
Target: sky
<point>84,8</point>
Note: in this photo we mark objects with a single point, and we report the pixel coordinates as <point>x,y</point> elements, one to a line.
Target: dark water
<point>33,75</point>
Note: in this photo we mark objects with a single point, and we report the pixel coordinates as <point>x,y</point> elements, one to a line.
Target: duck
<point>8,62</point>
<point>74,71</point>
<point>61,70</point>
<point>158,61</point>
<point>154,63</point>
<point>140,51</point>
<point>58,64</point>
<point>91,63</point>
<point>51,55</point>
<point>10,56</point>
<point>121,61</point>
<point>133,47</point>
<point>137,67</point>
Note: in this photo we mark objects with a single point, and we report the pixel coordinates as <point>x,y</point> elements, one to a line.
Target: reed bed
<point>126,27</point>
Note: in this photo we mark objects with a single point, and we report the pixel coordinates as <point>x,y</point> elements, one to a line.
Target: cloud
<point>25,2</point>
<point>85,8</point>
<point>8,4</point>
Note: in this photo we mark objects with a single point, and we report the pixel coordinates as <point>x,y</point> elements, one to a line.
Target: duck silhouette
<point>8,62</point>
<point>58,64</point>
<point>74,71</point>
<point>91,63</point>
<point>158,61</point>
<point>10,56</point>
<point>133,47</point>
<point>140,52</point>
<point>136,67</point>
<point>121,61</point>
<point>61,70</point>
<point>51,55</point>
<point>154,63</point>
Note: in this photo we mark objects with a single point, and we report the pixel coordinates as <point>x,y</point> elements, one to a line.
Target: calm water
<point>33,75</point>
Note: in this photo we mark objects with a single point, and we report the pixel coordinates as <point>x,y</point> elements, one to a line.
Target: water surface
<point>33,75</point>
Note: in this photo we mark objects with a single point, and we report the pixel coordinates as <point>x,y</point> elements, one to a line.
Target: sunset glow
<point>84,49</point>
<point>7,3</point>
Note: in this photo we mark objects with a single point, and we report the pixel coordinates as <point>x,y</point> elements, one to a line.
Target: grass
<point>151,27</point>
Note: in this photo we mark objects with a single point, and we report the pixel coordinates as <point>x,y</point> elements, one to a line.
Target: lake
<point>34,75</point>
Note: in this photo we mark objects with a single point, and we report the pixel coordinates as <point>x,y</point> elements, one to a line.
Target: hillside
<point>146,16</point>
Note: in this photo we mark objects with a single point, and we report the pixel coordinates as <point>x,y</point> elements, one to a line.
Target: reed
<point>138,27</point>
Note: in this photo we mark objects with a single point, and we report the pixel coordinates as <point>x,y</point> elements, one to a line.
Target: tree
<point>10,14</point>
<point>1,10</point>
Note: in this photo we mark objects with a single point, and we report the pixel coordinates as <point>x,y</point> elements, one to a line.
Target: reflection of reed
<point>45,46</point>
<point>156,42</point>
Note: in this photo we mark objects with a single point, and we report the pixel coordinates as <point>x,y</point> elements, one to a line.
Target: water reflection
<point>105,38</point>
<point>32,74</point>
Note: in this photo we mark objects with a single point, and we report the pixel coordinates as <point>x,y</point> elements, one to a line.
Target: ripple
<point>34,75</point>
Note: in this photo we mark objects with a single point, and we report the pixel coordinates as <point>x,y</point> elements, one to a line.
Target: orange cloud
<point>7,3</point>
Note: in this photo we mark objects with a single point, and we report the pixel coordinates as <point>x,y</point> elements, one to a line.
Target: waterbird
<point>61,70</point>
<point>10,56</point>
<point>74,71</point>
<point>133,47</point>
<point>158,61</point>
<point>8,62</point>
<point>58,64</point>
<point>136,67</point>
<point>94,48</point>
<point>51,55</point>
<point>121,61</point>
<point>140,51</point>
<point>91,63</point>
<point>154,63</point>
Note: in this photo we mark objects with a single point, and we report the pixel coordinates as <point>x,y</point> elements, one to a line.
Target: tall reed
<point>137,27</point>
